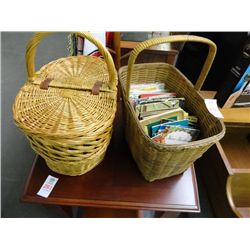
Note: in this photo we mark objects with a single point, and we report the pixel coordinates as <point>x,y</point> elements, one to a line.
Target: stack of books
<point>162,114</point>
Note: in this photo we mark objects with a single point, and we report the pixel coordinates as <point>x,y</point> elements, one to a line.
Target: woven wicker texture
<point>66,124</point>
<point>157,161</point>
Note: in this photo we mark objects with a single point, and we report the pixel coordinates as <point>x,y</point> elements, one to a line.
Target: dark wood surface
<point>115,183</point>
<point>101,212</point>
<point>159,53</point>
<point>236,148</point>
<point>150,56</point>
<point>214,176</point>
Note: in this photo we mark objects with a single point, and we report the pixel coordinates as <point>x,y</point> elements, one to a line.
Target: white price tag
<point>47,186</point>
<point>212,107</point>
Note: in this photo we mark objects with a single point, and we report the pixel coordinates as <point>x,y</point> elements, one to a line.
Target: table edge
<point>112,204</point>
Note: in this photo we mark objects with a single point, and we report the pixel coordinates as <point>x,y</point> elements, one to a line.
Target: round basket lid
<point>68,106</point>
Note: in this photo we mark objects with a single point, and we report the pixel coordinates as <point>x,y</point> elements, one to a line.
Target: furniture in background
<point>222,163</point>
<point>229,45</point>
<point>160,53</point>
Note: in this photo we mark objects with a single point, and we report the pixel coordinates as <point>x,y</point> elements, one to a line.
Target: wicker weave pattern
<point>66,124</point>
<point>157,161</point>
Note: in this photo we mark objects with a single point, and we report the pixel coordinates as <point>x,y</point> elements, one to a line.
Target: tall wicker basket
<point>67,108</point>
<point>157,161</point>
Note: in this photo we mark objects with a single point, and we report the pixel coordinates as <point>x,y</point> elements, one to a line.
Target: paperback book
<point>149,109</point>
<point>156,129</point>
<point>176,135</point>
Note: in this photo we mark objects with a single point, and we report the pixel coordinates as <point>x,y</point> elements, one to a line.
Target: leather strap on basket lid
<point>36,39</point>
<point>170,39</point>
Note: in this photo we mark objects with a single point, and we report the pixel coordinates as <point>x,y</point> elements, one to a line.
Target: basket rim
<point>193,144</point>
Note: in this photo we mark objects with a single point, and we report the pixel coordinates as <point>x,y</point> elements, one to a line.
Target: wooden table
<point>115,188</point>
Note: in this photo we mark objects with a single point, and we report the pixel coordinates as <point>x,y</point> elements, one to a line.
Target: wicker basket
<point>67,108</point>
<point>157,161</point>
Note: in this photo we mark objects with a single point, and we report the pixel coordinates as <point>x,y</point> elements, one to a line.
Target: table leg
<point>162,214</point>
<point>64,211</point>
<point>68,210</point>
<point>93,212</point>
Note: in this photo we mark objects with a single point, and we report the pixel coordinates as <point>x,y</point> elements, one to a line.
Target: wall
<point>17,156</point>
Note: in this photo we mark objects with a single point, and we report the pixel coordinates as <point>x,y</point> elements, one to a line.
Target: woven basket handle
<point>170,39</point>
<point>36,39</point>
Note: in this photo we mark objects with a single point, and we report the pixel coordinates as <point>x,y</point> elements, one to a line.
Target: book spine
<point>234,76</point>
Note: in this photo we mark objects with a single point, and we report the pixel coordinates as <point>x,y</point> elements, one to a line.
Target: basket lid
<point>75,72</point>
<point>68,106</point>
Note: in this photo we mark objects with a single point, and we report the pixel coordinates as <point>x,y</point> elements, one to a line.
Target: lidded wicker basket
<point>155,160</point>
<point>67,108</point>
